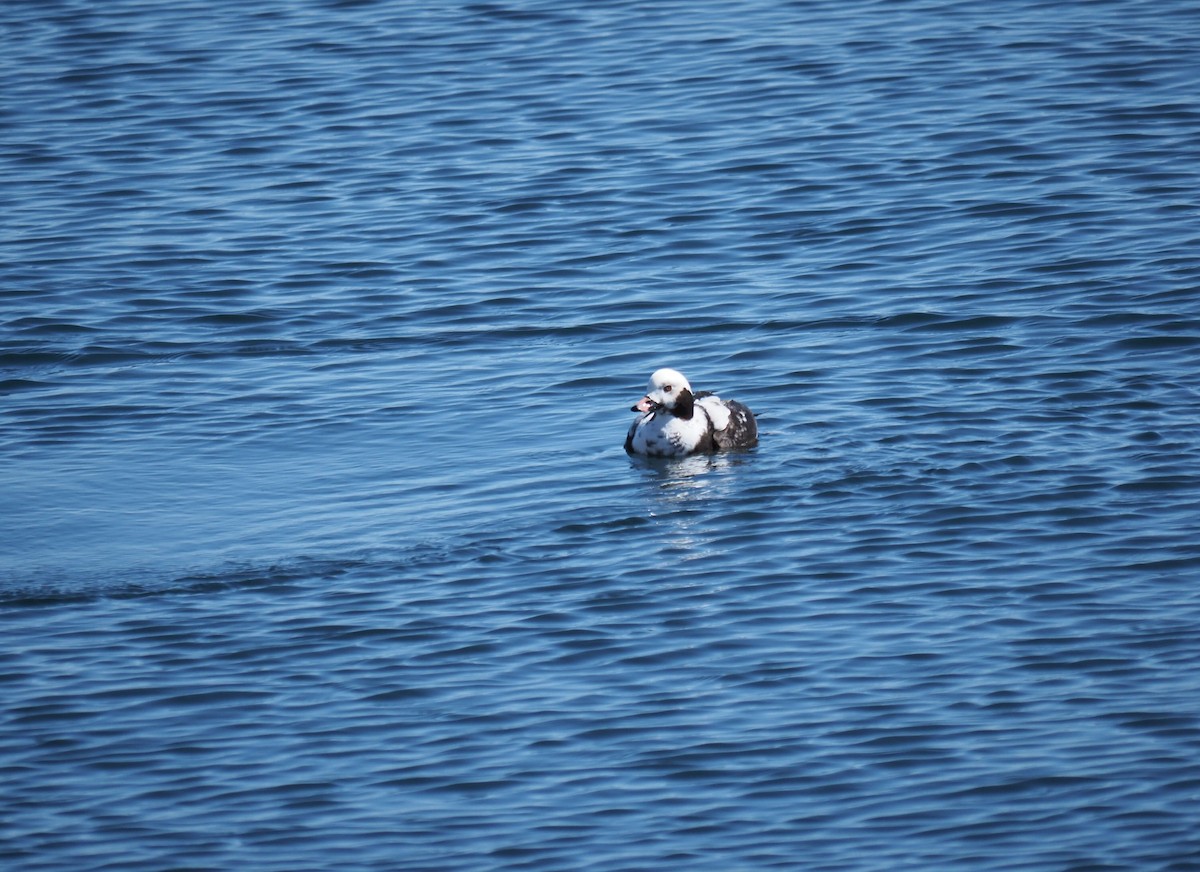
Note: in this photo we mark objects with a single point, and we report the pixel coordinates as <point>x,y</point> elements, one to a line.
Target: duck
<point>674,421</point>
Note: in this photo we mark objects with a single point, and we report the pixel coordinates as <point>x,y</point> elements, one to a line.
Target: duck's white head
<point>669,390</point>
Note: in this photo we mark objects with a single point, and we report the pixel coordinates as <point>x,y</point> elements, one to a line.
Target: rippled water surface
<point>319,327</point>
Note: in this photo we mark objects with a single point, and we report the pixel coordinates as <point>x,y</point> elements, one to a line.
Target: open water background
<point>319,326</point>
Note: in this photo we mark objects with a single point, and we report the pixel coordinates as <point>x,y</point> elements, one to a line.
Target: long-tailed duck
<point>674,421</point>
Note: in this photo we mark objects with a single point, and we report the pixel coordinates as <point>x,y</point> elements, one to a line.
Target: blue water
<point>319,327</point>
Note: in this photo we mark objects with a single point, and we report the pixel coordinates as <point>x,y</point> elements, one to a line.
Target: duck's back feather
<point>740,431</point>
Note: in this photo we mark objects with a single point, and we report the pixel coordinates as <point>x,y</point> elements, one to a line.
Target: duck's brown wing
<point>742,429</point>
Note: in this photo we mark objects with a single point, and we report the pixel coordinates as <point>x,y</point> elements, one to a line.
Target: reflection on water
<point>691,471</point>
